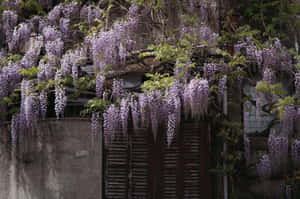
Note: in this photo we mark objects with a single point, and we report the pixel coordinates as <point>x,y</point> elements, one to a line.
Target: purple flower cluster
<point>91,14</point>
<point>29,104</point>
<point>117,90</point>
<point>144,112</point>
<point>268,75</point>
<point>111,123</point>
<point>43,98</point>
<point>50,33</point>
<point>15,127</point>
<point>196,97</point>
<point>95,122</point>
<point>135,113</point>
<point>222,88</point>
<point>209,70</point>
<point>99,85</point>
<point>55,14</point>
<point>55,47</point>
<point>20,35</point>
<point>154,103</point>
<point>297,84</point>
<point>278,150</point>
<point>287,122</point>
<point>295,148</point>
<point>60,96</point>
<point>9,21</point>
<point>264,167</point>
<point>124,114</point>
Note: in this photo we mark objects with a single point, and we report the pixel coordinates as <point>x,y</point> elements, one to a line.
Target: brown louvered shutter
<point>116,168</point>
<point>139,168</point>
<point>139,164</point>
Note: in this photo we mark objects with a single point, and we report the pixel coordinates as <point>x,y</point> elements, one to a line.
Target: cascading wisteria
<point>295,148</point>
<point>278,150</point>
<point>99,85</point>
<point>110,47</point>
<point>117,90</point>
<point>222,88</point>
<point>60,96</point>
<point>209,70</point>
<point>154,102</point>
<point>264,167</point>
<point>91,13</point>
<point>43,98</point>
<point>20,35</point>
<point>268,75</point>
<point>64,27</point>
<point>54,15</point>
<point>174,110</point>
<point>124,114</point>
<point>95,122</point>
<point>50,33</point>
<point>29,104</point>
<point>144,112</point>
<point>55,47</point>
<point>15,127</point>
<point>135,113</point>
<point>196,96</point>
<point>287,122</point>
<point>9,22</point>
<point>297,84</point>
<point>111,123</point>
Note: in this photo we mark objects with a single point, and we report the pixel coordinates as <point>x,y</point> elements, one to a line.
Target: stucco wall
<point>62,161</point>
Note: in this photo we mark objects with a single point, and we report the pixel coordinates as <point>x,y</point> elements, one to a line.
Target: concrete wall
<point>63,160</point>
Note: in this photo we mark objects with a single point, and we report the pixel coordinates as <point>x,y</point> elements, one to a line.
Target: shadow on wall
<point>62,161</point>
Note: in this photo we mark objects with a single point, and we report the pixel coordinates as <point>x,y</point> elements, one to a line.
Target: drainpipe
<point>225,146</point>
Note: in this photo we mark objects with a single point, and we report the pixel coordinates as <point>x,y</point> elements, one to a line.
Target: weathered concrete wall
<point>62,161</point>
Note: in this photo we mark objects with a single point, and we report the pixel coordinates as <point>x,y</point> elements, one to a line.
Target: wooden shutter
<point>139,168</point>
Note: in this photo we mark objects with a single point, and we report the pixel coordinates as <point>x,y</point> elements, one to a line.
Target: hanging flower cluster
<point>196,97</point>
<point>117,90</point>
<point>111,123</point>
<point>287,122</point>
<point>95,122</point>
<point>29,104</point>
<point>297,84</point>
<point>99,85</point>
<point>124,114</point>
<point>278,150</point>
<point>222,88</point>
<point>268,75</point>
<point>264,167</point>
<point>295,148</point>
<point>60,96</point>
<point>111,47</point>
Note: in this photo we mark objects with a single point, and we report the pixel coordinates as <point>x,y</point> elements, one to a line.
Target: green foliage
<point>273,17</point>
<point>94,105</point>
<point>30,73</point>
<point>154,4</point>
<point>274,89</point>
<point>157,82</point>
<point>82,27</point>
<point>281,104</point>
<point>240,34</point>
<point>12,58</point>
<point>31,8</point>
<point>84,83</point>
<point>231,133</point>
